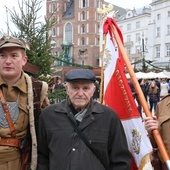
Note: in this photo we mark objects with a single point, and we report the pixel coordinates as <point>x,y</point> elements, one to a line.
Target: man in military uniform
<point>17,90</point>
<point>161,121</point>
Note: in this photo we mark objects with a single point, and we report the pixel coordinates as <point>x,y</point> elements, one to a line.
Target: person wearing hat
<point>79,133</point>
<point>16,106</point>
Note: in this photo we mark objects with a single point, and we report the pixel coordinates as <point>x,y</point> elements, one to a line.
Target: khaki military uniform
<point>23,93</point>
<point>163,115</point>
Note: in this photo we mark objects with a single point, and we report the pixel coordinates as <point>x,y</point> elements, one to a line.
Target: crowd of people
<point>154,90</point>
<point>157,95</point>
<point>75,133</point>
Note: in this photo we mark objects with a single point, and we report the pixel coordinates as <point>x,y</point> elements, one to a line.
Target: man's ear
<point>66,87</point>
<point>94,89</point>
<point>24,59</point>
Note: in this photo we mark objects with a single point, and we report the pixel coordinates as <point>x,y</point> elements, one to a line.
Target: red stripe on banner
<point>118,94</point>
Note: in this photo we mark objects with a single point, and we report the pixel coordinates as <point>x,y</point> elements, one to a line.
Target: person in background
<point>168,81</point>
<point>132,88</point>
<point>144,90</point>
<point>18,124</point>
<point>164,88</point>
<point>97,91</point>
<point>60,126</point>
<point>158,84</point>
<point>153,94</point>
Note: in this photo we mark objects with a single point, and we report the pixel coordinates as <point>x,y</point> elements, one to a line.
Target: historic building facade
<point>76,33</point>
<point>146,33</point>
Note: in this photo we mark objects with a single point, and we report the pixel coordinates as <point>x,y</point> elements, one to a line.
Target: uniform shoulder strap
<point>37,86</point>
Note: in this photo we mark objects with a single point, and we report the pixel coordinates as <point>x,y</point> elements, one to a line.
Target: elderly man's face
<point>80,93</point>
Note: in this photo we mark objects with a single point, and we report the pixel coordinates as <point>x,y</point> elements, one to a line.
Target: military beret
<point>9,41</point>
<point>80,75</point>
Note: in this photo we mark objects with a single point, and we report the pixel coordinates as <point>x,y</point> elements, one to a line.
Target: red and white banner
<point>117,95</point>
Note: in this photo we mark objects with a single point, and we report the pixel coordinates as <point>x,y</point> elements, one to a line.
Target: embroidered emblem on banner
<point>136,141</point>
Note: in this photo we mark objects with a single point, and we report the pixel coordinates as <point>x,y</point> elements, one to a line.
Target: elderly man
<point>79,133</point>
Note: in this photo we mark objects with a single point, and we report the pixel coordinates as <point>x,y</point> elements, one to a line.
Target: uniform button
<point>73,149</point>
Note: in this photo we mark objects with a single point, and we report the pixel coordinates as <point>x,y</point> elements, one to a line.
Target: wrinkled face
<point>12,59</point>
<point>80,93</point>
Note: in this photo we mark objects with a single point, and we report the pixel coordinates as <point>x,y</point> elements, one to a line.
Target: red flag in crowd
<point>117,95</point>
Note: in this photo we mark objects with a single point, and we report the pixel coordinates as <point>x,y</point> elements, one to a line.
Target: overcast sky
<point>14,4</point>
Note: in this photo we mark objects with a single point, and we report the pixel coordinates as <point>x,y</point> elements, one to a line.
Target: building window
<point>157,50</point>
<point>98,41</point>
<point>68,33</point>
<point>168,13</point>
<point>83,3</point>
<point>82,41</point>
<point>98,4</point>
<point>53,32</point>
<point>168,50</point>
<point>158,30</point>
<point>54,8</point>
<point>128,27</point>
<point>168,29</point>
<point>128,38</point>
<point>137,49</point>
<point>49,9</point>
<point>137,37</point>
<point>121,28</point>
<point>83,29</point>
<point>128,49</point>
<point>138,24</point>
<point>83,16</point>
<point>58,7</point>
<point>158,16</point>
<point>98,29</point>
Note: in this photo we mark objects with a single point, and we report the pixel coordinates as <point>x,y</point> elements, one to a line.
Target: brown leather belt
<point>10,142</point>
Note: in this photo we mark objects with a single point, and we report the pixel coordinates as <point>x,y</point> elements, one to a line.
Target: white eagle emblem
<point>136,141</point>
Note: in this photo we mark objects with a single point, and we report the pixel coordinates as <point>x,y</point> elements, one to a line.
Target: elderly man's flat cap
<point>8,41</point>
<point>80,75</point>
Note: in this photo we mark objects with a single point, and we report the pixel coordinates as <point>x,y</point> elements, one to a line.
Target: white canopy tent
<point>150,75</point>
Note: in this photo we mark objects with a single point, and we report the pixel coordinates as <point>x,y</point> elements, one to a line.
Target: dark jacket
<point>153,97</point>
<point>59,147</point>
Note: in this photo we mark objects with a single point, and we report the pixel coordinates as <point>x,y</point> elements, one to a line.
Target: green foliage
<point>36,33</point>
<point>57,96</point>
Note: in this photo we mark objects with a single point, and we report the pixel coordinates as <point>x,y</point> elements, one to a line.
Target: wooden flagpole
<point>141,97</point>
<point>102,71</point>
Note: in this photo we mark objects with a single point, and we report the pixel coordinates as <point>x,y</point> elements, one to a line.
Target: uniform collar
<point>20,84</point>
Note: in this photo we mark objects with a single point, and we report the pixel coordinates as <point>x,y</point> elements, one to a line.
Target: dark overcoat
<point>60,148</point>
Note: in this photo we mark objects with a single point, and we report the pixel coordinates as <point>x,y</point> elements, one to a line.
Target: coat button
<point>92,118</point>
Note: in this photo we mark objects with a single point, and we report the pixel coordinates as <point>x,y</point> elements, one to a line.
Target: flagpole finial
<point>104,12</point>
